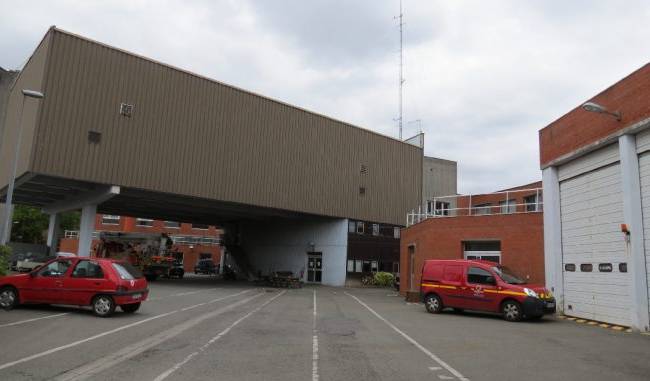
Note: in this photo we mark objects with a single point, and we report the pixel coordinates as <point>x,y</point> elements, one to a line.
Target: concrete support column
<point>5,231</point>
<point>54,232</point>
<point>633,217</point>
<point>553,235</point>
<point>86,229</point>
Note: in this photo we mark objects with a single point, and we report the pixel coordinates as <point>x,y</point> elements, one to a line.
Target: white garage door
<point>644,169</point>
<point>596,282</point>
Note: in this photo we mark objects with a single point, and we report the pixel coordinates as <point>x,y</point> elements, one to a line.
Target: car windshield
<point>127,271</point>
<point>508,275</point>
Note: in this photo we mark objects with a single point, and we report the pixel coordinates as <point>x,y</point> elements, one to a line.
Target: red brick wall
<point>129,224</point>
<point>521,236</point>
<point>190,255</point>
<point>579,128</point>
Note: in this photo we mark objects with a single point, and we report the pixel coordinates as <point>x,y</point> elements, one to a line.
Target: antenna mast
<point>401,68</point>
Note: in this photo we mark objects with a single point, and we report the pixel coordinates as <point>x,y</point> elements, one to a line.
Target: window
<point>200,226</point>
<point>350,265</point>
<point>605,267</point>
<point>361,227</point>
<point>144,222</point>
<point>109,219</point>
<point>375,229</point>
<point>396,232</point>
<point>586,267</point>
<point>126,271</point>
<point>442,208</point>
<point>88,269</point>
<point>622,267</point>
<point>508,206</point>
<point>358,266</point>
<point>531,203</point>
<point>205,256</point>
<point>483,209</point>
<point>396,267</point>
<point>55,269</point>
<point>479,276</point>
<point>570,267</point>
<point>172,224</point>
<point>374,266</point>
<point>352,227</point>
<point>483,246</point>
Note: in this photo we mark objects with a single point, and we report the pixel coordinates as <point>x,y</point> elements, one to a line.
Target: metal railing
<point>485,204</point>
<point>177,239</point>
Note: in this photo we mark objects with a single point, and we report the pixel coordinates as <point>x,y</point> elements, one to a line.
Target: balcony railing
<point>177,239</point>
<point>517,201</point>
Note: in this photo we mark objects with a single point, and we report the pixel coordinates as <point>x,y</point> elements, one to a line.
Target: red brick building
<point>195,241</point>
<point>506,227</point>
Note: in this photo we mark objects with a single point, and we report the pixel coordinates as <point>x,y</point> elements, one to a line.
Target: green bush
<point>5,253</point>
<point>384,279</point>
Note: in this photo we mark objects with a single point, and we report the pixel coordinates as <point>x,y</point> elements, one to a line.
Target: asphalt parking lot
<point>202,329</point>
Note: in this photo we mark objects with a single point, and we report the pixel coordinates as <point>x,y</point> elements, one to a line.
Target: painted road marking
<point>435,368</point>
<point>411,340</point>
<point>92,369</point>
<point>34,319</point>
<point>443,377</point>
<point>95,337</point>
<point>205,346</point>
<point>314,354</point>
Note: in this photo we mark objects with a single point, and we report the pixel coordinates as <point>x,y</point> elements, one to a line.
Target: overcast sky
<point>482,76</point>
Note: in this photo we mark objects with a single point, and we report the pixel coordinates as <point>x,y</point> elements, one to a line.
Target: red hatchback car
<point>482,286</point>
<point>102,284</point>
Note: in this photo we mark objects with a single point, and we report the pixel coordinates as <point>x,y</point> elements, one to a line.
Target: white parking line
<point>148,300</point>
<point>205,346</point>
<point>314,356</point>
<point>34,319</point>
<point>93,369</point>
<point>91,338</point>
<point>412,341</point>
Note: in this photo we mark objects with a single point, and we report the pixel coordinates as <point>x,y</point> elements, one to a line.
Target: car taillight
<point>122,289</point>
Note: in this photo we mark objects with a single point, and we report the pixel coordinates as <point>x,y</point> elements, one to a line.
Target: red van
<point>482,286</point>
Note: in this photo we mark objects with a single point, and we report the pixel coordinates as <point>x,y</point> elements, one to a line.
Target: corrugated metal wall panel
<point>31,78</point>
<point>189,135</point>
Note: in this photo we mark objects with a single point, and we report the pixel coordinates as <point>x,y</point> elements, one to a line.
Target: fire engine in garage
<point>150,252</point>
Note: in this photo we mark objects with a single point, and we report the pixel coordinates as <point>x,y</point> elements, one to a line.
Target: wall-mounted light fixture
<point>595,107</point>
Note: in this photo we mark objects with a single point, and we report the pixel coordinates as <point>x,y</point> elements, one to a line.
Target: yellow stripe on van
<point>438,286</point>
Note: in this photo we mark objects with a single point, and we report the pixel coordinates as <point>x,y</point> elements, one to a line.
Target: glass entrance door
<point>314,267</point>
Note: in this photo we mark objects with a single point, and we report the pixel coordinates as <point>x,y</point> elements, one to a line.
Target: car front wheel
<point>8,298</point>
<point>130,308</point>
<point>103,306</point>
<point>512,311</point>
<point>433,304</point>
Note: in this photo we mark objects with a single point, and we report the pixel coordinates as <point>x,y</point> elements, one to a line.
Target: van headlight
<point>530,292</point>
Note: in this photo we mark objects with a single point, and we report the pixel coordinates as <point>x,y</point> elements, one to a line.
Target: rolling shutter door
<point>591,213</point>
<point>643,142</point>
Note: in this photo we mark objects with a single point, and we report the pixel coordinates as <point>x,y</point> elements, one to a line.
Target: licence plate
<point>550,305</point>
<point>136,296</point>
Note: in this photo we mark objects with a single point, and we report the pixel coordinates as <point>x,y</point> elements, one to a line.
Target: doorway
<point>314,267</point>
<point>411,253</point>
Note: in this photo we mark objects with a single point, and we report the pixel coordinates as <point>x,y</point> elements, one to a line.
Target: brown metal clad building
<point>192,136</point>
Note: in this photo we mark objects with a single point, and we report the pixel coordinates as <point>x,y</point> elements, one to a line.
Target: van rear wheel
<point>433,304</point>
<point>511,310</point>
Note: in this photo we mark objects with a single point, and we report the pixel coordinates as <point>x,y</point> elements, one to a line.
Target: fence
<point>506,202</point>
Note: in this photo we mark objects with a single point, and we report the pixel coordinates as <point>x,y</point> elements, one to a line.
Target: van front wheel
<point>511,310</point>
<point>433,304</point>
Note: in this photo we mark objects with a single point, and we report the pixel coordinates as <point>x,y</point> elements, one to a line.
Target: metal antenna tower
<point>401,67</point>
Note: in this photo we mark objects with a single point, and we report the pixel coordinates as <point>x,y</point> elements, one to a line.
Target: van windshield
<point>508,275</point>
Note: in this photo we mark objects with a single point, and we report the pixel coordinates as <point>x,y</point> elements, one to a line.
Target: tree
<point>29,223</point>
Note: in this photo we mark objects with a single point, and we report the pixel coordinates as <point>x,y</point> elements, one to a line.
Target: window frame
<point>139,222</point>
<point>116,219</point>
